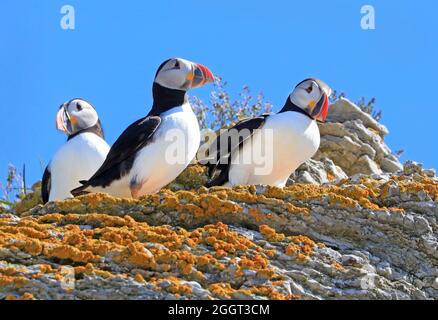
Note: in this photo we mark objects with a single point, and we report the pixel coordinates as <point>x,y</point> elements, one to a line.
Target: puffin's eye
<point>78,107</point>
<point>177,65</point>
<point>309,89</point>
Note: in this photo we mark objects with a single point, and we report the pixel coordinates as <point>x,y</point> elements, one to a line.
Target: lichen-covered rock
<point>364,237</point>
<point>193,177</point>
<point>354,141</point>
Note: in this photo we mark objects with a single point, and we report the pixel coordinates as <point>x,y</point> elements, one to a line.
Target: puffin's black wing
<point>46,185</point>
<point>228,140</point>
<point>121,156</point>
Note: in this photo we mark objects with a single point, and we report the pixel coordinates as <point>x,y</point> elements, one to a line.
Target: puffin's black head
<point>312,95</point>
<point>181,74</point>
<point>76,115</point>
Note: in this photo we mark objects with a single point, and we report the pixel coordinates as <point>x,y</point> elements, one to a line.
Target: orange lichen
<point>176,286</point>
<point>226,291</point>
<point>300,247</point>
<point>256,214</point>
<point>270,234</point>
<point>70,253</point>
<point>335,199</point>
<point>139,278</point>
<point>294,209</point>
<point>222,290</point>
<point>302,240</point>
<point>33,247</point>
<point>74,238</point>
<point>27,231</point>
<point>89,269</point>
<point>16,281</point>
<point>136,255</point>
<point>256,262</point>
<point>338,266</point>
<point>426,185</point>
<point>90,242</point>
<point>265,273</point>
<point>330,176</point>
<point>192,178</point>
<point>25,296</point>
<point>205,260</point>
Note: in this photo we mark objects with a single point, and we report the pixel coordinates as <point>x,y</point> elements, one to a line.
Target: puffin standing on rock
<point>154,150</point>
<point>284,141</point>
<point>82,154</point>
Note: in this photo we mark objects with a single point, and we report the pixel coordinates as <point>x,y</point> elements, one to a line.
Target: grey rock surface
<point>353,140</point>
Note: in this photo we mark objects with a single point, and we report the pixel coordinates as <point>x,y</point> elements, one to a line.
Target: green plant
<point>369,107</point>
<point>222,111</point>
<point>15,187</point>
<point>335,96</point>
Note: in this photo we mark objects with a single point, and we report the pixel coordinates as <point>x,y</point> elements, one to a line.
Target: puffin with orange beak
<point>154,150</point>
<point>82,154</point>
<point>266,150</point>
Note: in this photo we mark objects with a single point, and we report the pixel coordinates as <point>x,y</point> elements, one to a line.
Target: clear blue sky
<point>111,57</point>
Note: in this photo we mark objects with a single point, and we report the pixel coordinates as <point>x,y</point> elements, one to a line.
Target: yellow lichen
<point>25,296</point>
<point>139,278</point>
<point>70,253</point>
<point>142,250</point>
<point>270,234</point>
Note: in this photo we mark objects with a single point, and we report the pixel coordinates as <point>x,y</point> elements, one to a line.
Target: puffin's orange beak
<point>61,121</point>
<point>201,75</point>
<point>320,112</point>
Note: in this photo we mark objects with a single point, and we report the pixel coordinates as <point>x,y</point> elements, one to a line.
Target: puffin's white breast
<point>78,159</point>
<point>171,150</point>
<point>273,153</point>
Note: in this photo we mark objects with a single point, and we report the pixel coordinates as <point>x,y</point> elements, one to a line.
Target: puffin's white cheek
<point>302,98</point>
<point>178,78</point>
<point>87,119</point>
<point>172,79</point>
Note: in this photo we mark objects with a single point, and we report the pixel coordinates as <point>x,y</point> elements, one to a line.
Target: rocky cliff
<point>352,224</point>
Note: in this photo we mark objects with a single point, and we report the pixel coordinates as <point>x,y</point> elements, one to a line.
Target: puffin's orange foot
<point>135,187</point>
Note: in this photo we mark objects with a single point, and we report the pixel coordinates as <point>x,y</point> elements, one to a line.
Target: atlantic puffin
<point>154,150</point>
<point>82,154</point>
<point>266,150</point>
